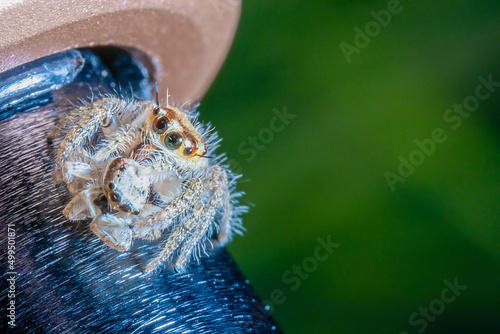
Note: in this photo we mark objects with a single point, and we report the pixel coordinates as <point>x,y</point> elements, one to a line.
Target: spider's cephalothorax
<point>139,169</point>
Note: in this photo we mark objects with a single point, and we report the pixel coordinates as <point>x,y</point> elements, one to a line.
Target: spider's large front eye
<point>173,140</point>
<point>160,125</point>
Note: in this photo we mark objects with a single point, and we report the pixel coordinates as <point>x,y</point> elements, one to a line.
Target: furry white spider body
<point>145,172</point>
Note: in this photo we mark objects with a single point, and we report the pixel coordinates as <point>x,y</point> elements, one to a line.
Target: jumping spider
<point>138,168</point>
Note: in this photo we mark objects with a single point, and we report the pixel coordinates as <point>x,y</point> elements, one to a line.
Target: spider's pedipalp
<point>81,206</point>
<point>78,169</point>
<point>117,143</point>
<point>114,231</point>
<point>125,137</point>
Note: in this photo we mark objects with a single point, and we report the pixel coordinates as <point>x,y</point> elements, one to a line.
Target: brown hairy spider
<point>138,169</point>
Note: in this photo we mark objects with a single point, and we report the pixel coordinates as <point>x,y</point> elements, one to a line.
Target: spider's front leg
<point>151,227</point>
<point>217,183</point>
<point>178,235</point>
<point>85,129</point>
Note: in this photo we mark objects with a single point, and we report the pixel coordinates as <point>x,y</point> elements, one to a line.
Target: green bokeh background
<point>323,175</point>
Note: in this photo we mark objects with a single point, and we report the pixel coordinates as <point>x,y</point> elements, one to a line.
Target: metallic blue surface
<point>37,78</point>
<point>66,280</point>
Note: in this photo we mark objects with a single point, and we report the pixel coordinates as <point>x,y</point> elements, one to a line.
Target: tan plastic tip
<point>186,40</point>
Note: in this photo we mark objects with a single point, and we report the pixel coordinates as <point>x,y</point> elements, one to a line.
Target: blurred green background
<point>323,174</point>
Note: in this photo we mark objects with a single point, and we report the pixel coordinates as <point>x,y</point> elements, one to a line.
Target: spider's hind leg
<point>70,119</point>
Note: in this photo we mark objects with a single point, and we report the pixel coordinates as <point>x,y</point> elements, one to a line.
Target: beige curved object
<point>185,40</point>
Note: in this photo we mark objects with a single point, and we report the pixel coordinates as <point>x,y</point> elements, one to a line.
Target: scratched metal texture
<point>67,280</point>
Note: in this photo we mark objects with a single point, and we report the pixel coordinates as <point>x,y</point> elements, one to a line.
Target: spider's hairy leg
<point>201,229</point>
<point>155,169</point>
<point>118,142</point>
<point>126,137</point>
<point>85,129</point>
<point>178,235</point>
<point>113,231</point>
<point>218,184</point>
<point>139,111</point>
<point>68,120</point>
<point>77,169</point>
<point>154,224</point>
<point>225,231</point>
<point>164,166</point>
<point>76,172</point>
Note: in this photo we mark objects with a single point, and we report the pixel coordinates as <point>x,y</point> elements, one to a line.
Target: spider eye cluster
<point>181,140</point>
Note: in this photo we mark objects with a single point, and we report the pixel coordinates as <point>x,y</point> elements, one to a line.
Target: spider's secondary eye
<point>189,148</point>
<point>156,111</point>
<point>115,197</point>
<point>173,140</point>
<point>111,185</point>
<point>160,125</point>
<point>125,208</point>
<point>205,151</point>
